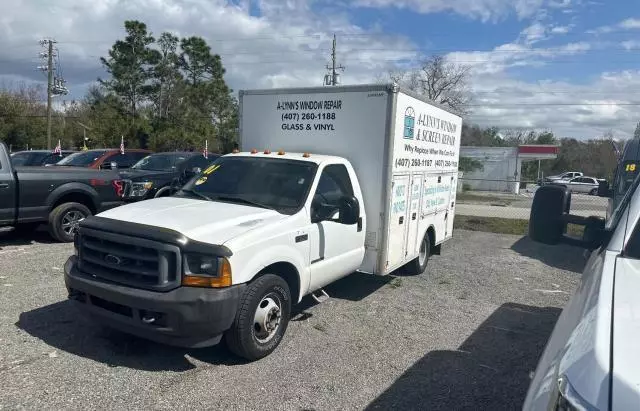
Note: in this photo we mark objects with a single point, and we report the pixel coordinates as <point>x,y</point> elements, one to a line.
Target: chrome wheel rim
<point>71,220</point>
<point>422,256</point>
<point>267,318</point>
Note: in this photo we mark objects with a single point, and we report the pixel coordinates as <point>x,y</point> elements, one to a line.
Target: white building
<point>502,165</point>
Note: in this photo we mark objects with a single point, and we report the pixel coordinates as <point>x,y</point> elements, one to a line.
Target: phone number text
<point>308,116</point>
<point>423,162</point>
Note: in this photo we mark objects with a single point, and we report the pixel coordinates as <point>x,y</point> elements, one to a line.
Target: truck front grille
<point>131,261</point>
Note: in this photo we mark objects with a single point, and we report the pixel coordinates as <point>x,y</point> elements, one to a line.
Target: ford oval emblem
<point>113,259</point>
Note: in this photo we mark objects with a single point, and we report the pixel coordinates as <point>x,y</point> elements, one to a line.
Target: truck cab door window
<point>334,184</point>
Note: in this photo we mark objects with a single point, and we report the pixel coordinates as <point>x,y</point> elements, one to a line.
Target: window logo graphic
<point>409,122</point>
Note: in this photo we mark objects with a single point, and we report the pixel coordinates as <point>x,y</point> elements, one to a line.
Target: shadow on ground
<point>62,327</point>
<point>489,371</point>
<point>559,256</point>
<point>9,237</point>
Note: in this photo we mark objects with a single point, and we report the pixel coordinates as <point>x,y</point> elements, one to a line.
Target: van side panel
<point>426,148</point>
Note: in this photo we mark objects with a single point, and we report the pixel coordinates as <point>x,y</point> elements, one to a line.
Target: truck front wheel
<point>262,318</point>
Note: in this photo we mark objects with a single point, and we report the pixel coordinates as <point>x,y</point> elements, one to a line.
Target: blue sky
<point>570,66</point>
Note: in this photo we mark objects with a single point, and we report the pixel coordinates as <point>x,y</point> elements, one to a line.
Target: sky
<point>568,66</point>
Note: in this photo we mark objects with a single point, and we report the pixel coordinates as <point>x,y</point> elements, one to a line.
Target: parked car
<point>585,185</point>
<point>563,177</point>
<point>59,197</point>
<point>30,158</point>
<point>104,158</point>
<point>162,174</point>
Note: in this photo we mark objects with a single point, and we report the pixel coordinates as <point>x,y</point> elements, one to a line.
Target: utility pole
<point>55,83</point>
<point>332,79</point>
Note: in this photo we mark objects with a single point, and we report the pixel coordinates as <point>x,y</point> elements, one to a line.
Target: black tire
<point>63,221</point>
<point>593,192</point>
<point>243,336</point>
<point>415,266</point>
<point>550,203</point>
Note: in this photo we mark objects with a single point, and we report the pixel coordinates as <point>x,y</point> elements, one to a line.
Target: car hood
<point>207,221</point>
<point>133,174</point>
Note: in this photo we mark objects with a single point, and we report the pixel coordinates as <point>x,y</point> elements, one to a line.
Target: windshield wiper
<point>244,201</point>
<point>192,191</point>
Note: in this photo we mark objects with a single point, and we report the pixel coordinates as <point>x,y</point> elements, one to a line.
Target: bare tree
<point>441,81</point>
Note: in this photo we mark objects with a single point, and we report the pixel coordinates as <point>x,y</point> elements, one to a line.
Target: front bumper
<point>186,316</point>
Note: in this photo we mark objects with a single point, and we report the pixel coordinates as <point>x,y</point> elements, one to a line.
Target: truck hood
<point>207,221</point>
<point>626,334</point>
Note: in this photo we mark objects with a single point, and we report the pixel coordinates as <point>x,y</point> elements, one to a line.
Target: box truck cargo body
<point>404,150</point>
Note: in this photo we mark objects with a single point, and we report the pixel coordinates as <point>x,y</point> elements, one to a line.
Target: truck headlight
<point>569,399</point>
<point>206,271</point>
<point>138,189</point>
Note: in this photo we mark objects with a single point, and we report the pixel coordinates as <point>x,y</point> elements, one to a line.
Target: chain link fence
<point>509,199</point>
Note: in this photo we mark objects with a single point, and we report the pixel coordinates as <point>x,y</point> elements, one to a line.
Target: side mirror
<point>604,190</point>
<point>349,208</point>
<point>193,172</point>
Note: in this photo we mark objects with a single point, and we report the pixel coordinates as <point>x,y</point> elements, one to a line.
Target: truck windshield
<point>160,162</point>
<point>83,159</point>
<point>279,184</point>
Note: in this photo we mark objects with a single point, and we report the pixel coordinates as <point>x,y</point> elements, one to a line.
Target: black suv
<point>162,174</point>
<point>31,158</point>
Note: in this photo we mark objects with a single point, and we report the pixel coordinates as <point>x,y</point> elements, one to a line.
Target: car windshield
<point>19,159</point>
<point>160,162</point>
<point>277,184</point>
<point>83,159</point>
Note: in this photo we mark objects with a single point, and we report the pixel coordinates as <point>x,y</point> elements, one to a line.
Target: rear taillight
<point>118,185</point>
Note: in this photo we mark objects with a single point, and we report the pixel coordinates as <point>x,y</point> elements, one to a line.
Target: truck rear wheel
<point>419,264</point>
<point>64,220</point>
<point>262,318</point>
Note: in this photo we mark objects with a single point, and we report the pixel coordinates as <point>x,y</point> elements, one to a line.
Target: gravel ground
<point>465,336</point>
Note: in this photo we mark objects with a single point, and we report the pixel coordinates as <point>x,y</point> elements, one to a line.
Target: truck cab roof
<point>312,158</point>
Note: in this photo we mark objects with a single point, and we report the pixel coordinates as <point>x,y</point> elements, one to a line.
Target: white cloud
<point>561,29</point>
<point>628,24</point>
<point>484,10</point>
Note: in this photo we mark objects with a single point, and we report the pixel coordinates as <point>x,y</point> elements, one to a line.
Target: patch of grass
<point>476,198</point>
<point>503,225</point>
<point>395,283</point>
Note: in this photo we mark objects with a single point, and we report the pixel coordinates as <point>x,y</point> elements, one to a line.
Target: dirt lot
<point>466,336</point>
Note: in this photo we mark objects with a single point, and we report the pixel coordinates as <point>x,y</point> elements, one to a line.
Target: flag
<point>205,152</point>
<point>58,149</point>
<point>122,145</point>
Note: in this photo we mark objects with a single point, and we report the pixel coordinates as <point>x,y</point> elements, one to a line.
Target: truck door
<point>335,249</point>
<point>451,206</point>
<point>397,220</point>
<point>413,219</point>
<point>7,192</point>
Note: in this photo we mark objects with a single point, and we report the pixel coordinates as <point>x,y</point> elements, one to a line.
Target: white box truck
<point>330,181</point>
<point>404,151</point>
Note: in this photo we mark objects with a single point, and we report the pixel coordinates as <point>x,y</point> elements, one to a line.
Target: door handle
<point>401,220</point>
<point>4,185</point>
<point>413,216</point>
